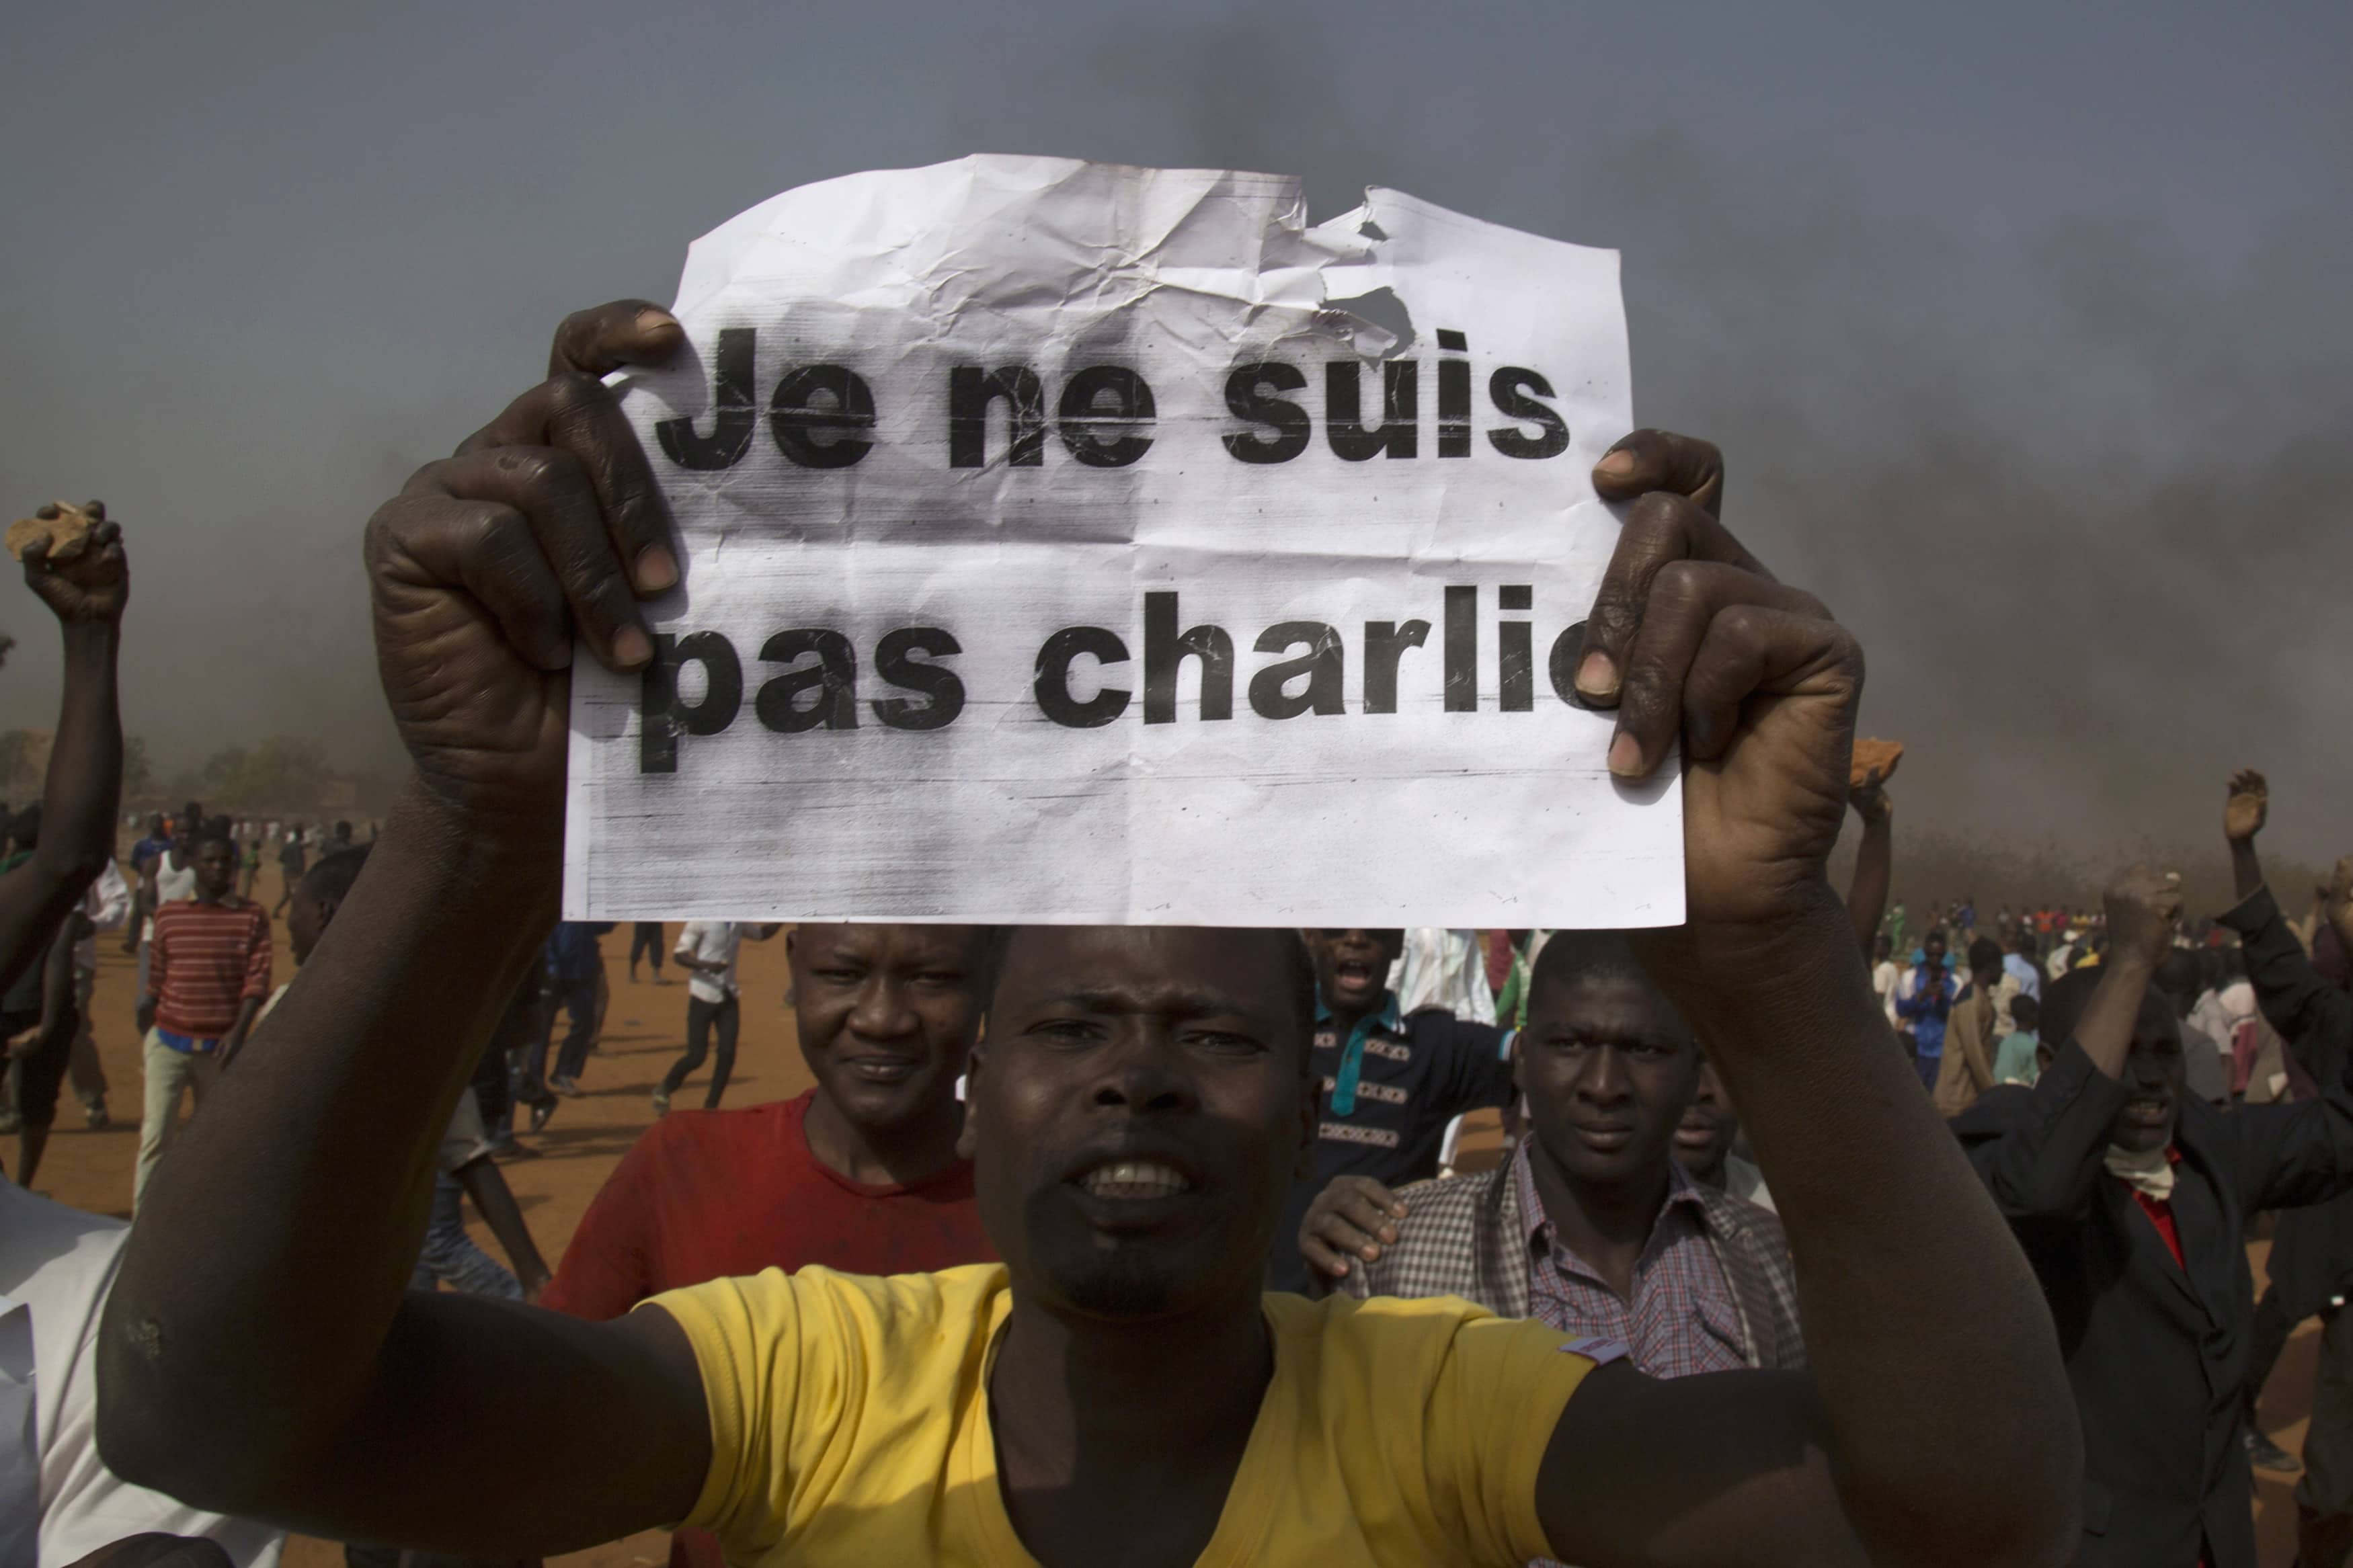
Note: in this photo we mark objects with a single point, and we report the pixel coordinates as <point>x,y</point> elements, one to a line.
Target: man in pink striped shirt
<point>207,975</point>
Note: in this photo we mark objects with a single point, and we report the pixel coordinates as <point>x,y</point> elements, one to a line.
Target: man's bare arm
<point>1936,1426</point>
<point>262,1356</point>
<point>487,1185</point>
<point>85,777</point>
<point>142,904</point>
<point>1875,861</point>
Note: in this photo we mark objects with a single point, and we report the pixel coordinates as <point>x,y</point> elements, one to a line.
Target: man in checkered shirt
<point>1591,1225</point>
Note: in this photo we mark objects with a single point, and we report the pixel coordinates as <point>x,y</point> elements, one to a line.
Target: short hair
<point>1585,955</point>
<point>214,835</point>
<point>329,881</point>
<point>1984,954</point>
<point>2025,1012</point>
<point>1306,995</point>
<point>342,829</point>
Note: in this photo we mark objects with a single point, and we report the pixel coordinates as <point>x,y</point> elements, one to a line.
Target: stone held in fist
<point>1882,755</point>
<point>66,526</point>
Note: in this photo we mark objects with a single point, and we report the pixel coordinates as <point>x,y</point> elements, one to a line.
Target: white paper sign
<point>1072,543</point>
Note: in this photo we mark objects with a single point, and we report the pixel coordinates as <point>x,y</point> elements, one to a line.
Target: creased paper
<point>1073,542</point>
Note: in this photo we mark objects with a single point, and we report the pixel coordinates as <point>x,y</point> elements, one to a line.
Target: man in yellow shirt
<point>1120,1389</point>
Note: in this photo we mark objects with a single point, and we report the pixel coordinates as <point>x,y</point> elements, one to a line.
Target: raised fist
<point>2249,805</point>
<point>95,584</point>
<point>1691,639</point>
<point>546,526</point>
<point>2144,908</point>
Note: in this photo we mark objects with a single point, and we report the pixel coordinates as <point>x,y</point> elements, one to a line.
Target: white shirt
<point>2030,979</point>
<point>1445,969</point>
<point>107,903</point>
<point>58,1502</point>
<point>710,941</point>
<point>172,883</point>
<point>1883,980</point>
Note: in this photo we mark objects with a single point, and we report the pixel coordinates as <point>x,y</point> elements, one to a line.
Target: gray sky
<point>2024,326</point>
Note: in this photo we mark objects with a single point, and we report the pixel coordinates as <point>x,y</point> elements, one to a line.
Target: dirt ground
<point>644,1032</point>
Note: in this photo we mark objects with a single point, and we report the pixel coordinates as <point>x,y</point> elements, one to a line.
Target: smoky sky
<point>2024,327</point>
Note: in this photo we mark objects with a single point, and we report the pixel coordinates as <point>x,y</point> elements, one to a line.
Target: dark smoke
<point>2065,446</point>
<point>2083,500</point>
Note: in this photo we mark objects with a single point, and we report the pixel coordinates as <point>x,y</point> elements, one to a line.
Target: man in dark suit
<point>2130,1198</point>
<point>2312,1258</point>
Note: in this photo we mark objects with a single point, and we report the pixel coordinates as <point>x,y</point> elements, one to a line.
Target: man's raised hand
<point>1691,637</point>
<point>2249,805</point>
<point>1675,486</point>
<point>546,525</point>
<point>92,588</point>
<point>2144,909</point>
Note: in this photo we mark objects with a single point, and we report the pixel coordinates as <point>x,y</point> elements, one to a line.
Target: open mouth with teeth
<point>1135,1179</point>
<point>1353,974</point>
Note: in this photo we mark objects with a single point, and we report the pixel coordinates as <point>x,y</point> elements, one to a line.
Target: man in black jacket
<point>2130,1198</point>
<point>2312,1258</point>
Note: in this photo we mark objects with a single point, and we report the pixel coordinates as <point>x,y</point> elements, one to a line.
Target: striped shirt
<point>1683,1320</point>
<point>205,961</point>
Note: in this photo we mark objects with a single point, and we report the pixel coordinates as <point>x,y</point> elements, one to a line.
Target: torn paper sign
<point>1069,543</point>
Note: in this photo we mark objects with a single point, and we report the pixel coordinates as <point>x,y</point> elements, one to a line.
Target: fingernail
<point>631,647</point>
<point>1597,674</point>
<point>1626,757</point>
<point>654,321</point>
<point>657,569</point>
<point>1619,464</point>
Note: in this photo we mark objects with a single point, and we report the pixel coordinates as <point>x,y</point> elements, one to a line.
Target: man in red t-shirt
<point>860,1174</point>
<point>207,975</point>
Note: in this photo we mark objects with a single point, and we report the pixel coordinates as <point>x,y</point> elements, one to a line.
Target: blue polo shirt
<point>1388,1088</point>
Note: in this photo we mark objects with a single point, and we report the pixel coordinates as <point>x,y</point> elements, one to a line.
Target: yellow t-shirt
<point>849,1424</point>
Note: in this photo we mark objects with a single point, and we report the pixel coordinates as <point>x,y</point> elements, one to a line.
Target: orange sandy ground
<point>644,1032</point>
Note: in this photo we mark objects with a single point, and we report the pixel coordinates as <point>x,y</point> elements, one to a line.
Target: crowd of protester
<point>1821,1231</point>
